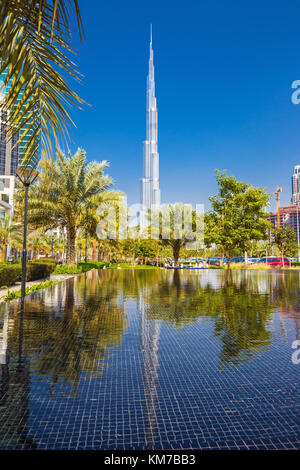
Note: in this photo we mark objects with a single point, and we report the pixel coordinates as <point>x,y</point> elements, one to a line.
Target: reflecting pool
<point>153,359</point>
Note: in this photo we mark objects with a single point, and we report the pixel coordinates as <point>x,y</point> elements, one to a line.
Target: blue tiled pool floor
<point>153,360</point>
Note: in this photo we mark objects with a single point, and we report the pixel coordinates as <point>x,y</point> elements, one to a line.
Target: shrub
<point>46,260</point>
<point>80,267</point>
<point>38,270</point>
<point>10,274</point>
<point>93,265</point>
<point>28,290</point>
<point>295,263</point>
<point>65,269</point>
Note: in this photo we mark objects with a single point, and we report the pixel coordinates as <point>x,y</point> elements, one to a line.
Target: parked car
<point>253,260</point>
<point>238,259</point>
<point>275,261</point>
<point>216,261</point>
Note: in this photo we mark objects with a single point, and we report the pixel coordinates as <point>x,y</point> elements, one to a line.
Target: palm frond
<point>35,58</point>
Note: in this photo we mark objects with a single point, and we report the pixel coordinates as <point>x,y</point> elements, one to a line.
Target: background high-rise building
<point>8,165</point>
<point>10,154</point>
<point>150,192</point>
<point>290,215</point>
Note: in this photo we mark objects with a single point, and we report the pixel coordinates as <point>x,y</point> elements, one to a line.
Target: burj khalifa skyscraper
<point>150,192</point>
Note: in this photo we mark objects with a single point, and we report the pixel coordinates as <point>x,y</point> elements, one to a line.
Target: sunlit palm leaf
<point>35,58</point>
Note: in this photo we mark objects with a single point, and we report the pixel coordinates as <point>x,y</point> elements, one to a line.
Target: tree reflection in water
<point>65,332</point>
<point>69,327</point>
<point>240,305</point>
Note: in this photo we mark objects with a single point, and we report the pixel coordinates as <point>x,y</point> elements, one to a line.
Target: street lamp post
<point>52,240</point>
<point>27,177</point>
<point>85,254</point>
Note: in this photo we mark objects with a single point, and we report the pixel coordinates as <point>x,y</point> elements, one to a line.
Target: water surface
<point>153,359</point>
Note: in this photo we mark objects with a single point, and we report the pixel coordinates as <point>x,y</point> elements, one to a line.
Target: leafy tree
<point>169,227</point>
<point>147,249</point>
<point>284,239</point>
<point>237,216</point>
<point>10,234</point>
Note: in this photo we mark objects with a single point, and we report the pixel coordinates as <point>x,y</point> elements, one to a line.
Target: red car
<point>275,261</point>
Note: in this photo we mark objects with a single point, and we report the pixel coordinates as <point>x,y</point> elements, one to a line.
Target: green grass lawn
<point>129,266</point>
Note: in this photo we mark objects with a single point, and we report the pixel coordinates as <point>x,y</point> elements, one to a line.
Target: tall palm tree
<point>35,38</point>
<point>75,188</point>
<point>41,243</point>
<point>10,234</point>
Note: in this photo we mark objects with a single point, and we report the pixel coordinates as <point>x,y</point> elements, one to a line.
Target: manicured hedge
<point>39,270</point>
<point>12,273</point>
<point>67,269</point>
<point>46,260</point>
<point>9,275</point>
<point>92,265</point>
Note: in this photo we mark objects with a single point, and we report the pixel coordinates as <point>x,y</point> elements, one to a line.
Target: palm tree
<point>35,38</point>
<point>10,234</point>
<point>40,244</point>
<point>75,188</point>
<point>167,226</point>
<point>59,245</point>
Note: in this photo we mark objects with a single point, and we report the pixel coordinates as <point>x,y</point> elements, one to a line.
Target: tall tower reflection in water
<point>149,339</point>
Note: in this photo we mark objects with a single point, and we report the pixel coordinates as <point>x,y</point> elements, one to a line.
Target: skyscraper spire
<point>150,192</point>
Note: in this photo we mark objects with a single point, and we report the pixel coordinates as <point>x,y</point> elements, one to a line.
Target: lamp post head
<point>26,175</point>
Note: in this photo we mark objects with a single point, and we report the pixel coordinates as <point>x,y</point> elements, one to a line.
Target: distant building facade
<point>10,154</point>
<point>296,186</point>
<point>8,165</point>
<point>290,216</point>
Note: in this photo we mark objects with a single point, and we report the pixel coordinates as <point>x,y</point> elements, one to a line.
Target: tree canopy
<point>238,215</point>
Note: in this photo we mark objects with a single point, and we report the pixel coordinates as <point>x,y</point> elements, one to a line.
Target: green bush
<point>46,260</point>
<point>38,270</point>
<point>295,263</point>
<point>10,274</point>
<point>65,269</point>
<point>93,265</point>
<point>28,290</point>
<point>80,267</point>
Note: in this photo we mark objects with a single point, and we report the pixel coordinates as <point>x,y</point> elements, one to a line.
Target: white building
<point>9,153</point>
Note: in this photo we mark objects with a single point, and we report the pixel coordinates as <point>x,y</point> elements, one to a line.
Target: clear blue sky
<point>224,71</point>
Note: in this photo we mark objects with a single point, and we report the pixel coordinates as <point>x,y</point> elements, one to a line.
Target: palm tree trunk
<point>282,258</point>
<point>94,250</point>
<point>3,252</point>
<point>228,255</point>
<point>176,250</point>
<point>71,236</point>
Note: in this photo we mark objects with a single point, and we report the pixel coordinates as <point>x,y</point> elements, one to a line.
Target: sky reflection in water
<point>152,359</point>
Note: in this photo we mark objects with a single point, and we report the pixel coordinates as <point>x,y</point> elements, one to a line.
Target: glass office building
<point>11,153</point>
